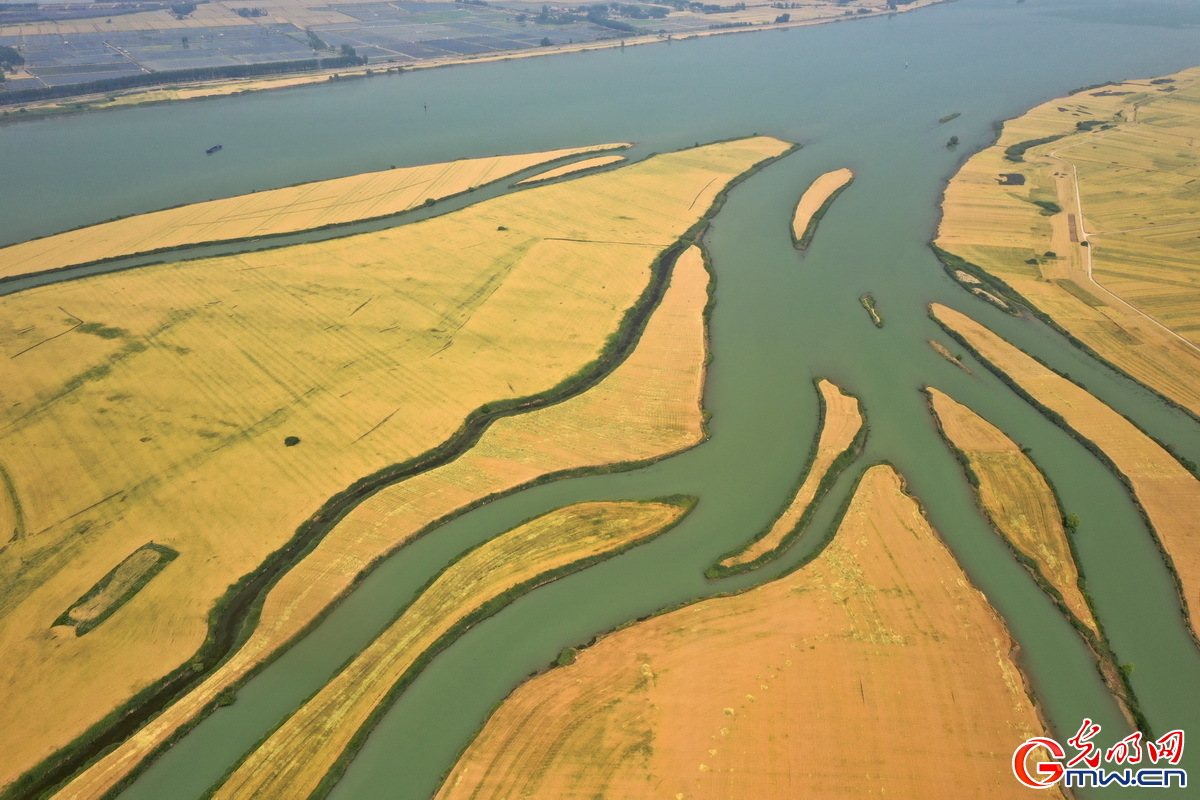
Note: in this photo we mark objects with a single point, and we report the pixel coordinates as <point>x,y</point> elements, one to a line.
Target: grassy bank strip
<point>1097,641</point>
<point>235,614</point>
<point>951,262</point>
<point>810,229</point>
<point>258,237</point>
<point>18,512</point>
<point>719,570</point>
<point>489,608</point>
<point>1095,450</point>
<point>165,556</point>
<point>994,286</point>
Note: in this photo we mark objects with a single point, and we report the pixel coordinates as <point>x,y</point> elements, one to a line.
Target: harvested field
<point>815,202</point>
<point>1102,235</point>
<point>838,440</point>
<point>1014,494</point>
<point>295,759</point>
<point>319,204</point>
<point>876,669</point>
<point>570,169</point>
<point>1168,494</point>
<point>370,350</point>
<point>648,407</point>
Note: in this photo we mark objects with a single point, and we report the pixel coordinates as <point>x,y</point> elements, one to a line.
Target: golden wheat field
<point>1116,266</point>
<point>807,686</point>
<point>170,395</point>
<point>1015,496</point>
<point>294,208</point>
<point>648,407</point>
<point>841,421</point>
<point>1169,494</point>
<point>294,759</point>
<point>569,169</point>
<point>804,219</point>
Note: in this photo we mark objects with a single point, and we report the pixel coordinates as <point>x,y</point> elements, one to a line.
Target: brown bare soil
<point>648,407</point>
<point>814,197</point>
<point>1016,498</point>
<point>1168,493</point>
<point>841,423</point>
<point>875,670</point>
<point>570,169</point>
<point>369,349</point>
<point>294,208</point>
<point>294,759</point>
<point>1115,266</point>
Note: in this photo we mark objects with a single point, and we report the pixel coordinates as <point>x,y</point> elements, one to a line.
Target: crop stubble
<point>1139,195</point>
<point>648,407</point>
<point>294,759</point>
<point>371,349</point>
<point>294,208</point>
<point>875,668</point>
<point>1168,494</point>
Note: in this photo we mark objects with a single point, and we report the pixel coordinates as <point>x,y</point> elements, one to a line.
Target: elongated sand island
<point>647,408</point>
<point>303,753</point>
<point>1167,494</point>
<point>308,206</point>
<point>1087,210</point>
<point>840,438</point>
<point>874,670</point>
<point>815,201</point>
<point>270,391</point>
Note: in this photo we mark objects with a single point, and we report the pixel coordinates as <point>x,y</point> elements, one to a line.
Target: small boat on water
<point>213,149</point>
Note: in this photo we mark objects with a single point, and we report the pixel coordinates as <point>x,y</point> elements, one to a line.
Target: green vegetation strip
<point>234,615</point>
<point>1114,678</point>
<point>165,555</point>
<point>839,465</point>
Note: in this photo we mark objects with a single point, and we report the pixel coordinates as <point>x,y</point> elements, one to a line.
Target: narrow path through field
<point>1087,273</point>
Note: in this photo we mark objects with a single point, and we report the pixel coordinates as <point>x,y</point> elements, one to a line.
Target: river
<point>865,94</point>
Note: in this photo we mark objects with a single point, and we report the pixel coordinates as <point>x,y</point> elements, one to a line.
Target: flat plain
<point>239,393</point>
<point>297,756</point>
<point>319,204</point>
<point>1167,493</point>
<point>1100,234</point>
<point>1016,498</point>
<point>647,408</point>
<point>804,686</point>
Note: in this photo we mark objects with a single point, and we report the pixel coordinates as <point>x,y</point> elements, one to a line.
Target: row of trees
<point>179,76</point>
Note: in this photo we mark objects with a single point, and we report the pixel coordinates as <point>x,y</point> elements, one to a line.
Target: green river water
<point>843,90</point>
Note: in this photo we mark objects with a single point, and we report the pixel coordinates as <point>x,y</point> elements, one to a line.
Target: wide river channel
<point>865,94</point>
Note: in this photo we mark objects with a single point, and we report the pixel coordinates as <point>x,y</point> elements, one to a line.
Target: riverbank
<point>207,90</point>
